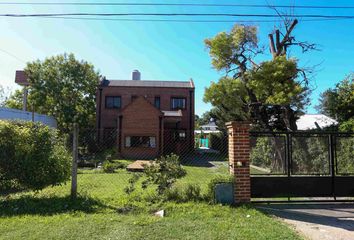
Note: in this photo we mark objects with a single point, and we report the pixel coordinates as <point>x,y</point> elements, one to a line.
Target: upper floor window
<point>178,103</point>
<point>113,102</point>
<point>157,102</point>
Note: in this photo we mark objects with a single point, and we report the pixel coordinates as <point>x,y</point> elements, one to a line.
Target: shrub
<point>192,192</point>
<point>213,182</point>
<point>33,155</point>
<point>119,164</point>
<point>173,194</point>
<point>8,185</point>
<point>185,193</point>
<point>91,157</point>
<point>130,188</point>
<point>164,172</point>
<point>109,167</point>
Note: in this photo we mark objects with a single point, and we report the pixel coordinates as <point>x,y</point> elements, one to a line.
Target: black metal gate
<point>303,165</point>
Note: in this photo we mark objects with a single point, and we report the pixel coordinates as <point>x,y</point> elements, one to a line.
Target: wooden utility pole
<point>25,96</point>
<point>74,162</point>
<point>32,113</point>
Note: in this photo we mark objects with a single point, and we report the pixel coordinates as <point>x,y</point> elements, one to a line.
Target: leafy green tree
<point>310,155</point>
<point>345,155</point>
<point>3,96</point>
<point>63,87</point>
<point>197,122</point>
<point>229,98</point>
<point>211,114</point>
<point>270,93</point>
<point>15,100</point>
<point>338,103</point>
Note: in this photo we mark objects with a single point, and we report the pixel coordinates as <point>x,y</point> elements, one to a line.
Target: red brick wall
<point>109,116</point>
<point>140,119</point>
<point>239,159</point>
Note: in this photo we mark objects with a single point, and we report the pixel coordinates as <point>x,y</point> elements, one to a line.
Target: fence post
<point>239,159</point>
<point>74,162</point>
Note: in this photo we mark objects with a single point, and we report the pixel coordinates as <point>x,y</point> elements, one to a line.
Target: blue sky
<point>166,50</point>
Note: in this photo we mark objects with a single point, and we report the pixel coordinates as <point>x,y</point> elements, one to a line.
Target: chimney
<point>136,75</point>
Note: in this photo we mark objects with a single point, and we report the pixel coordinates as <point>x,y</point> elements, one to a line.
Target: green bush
<point>192,192</point>
<point>109,167</point>
<point>120,165</point>
<point>8,185</point>
<point>173,194</point>
<point>213,182</point>
<point>130,188</point>
<point>164,172</point>
<point>32,155</point>
<point>161,175</point>
<point>184,193</point>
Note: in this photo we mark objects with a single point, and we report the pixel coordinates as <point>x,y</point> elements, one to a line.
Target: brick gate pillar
<point>239,159</point>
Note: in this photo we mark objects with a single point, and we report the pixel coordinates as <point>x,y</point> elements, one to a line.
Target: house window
<point>113,102</point>
<point>180,135</point>
<point>178,103</point>
<point>157,102</point>
<point>140,141</point>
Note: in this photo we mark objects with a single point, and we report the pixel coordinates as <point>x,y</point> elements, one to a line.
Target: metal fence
<point>302,165</point>
<point>302,153</point>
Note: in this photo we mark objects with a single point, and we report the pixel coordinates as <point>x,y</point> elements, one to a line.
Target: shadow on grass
<point>4,193</point>
<point>49,205</point>
<point>203,160</point>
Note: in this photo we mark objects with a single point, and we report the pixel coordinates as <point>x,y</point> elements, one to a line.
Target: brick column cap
<point>234,124</point>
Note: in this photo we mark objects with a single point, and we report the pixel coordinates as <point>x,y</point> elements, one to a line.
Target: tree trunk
<point>289,118</point>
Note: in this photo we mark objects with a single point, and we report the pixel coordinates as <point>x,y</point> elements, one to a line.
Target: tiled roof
<point>147,83</point>
<point>21,78</point>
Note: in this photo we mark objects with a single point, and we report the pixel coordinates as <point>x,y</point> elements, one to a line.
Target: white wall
<point>14,114</point>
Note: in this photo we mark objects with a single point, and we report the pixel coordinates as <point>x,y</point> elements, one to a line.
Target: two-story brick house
<point>151,117</point>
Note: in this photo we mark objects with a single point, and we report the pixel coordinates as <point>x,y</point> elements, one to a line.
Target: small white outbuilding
<point>314,121</point>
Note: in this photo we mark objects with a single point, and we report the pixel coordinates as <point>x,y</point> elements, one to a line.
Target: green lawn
<point>104,211</point>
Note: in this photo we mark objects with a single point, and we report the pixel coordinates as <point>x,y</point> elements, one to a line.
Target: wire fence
<point>108,159</point>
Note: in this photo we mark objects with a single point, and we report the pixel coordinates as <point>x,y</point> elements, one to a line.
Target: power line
<point>177,4</point>
<point>177,14</point>
<point>185,20</point>
<point>12,55</point>
<point>164,20</point>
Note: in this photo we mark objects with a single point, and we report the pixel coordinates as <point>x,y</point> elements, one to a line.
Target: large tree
<point>338,103</point>
<point>270,93</point>
<point>2,96</point>
<point>4,93</point>
<point>63,87</point>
